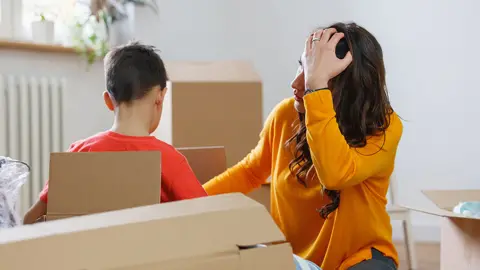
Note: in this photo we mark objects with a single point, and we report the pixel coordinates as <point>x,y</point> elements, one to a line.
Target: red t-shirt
<point>178,180</point>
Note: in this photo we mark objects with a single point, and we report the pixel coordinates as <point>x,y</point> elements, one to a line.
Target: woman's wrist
<point>316,86</point>
<point>308,91</point>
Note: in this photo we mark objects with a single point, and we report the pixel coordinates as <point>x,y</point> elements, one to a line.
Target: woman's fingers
<point>317,35</point>
<point>308,44</point>
<point>335,39</point>
<point>315,38</point>
<point>326,35</point>
<point>347,59</point>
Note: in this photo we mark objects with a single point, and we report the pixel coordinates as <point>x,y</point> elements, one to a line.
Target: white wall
<point>84,111</point>
<point>429,52</point>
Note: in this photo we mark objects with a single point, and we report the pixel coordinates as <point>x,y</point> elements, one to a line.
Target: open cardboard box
<point>95,182</point>
<point>210,233</point>
<point>208,162</point>
<point>460,235</point>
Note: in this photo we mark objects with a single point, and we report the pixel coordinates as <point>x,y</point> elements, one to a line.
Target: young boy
<point>136,85</point>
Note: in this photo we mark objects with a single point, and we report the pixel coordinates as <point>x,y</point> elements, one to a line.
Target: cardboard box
<point>210,233</point>
<point>213,103</point>
<point>208,162</point>
<point>94,182</point>
<point>262,195</point>
<point>460,235</point>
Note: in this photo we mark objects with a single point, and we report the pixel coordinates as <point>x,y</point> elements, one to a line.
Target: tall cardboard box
<point>94,182</point>
<point>210,233</point>
<point>208,162</point>
<point>460,235</point>
<point>213,103</point>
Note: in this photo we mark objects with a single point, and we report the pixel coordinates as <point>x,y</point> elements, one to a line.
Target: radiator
<point>31,127</point>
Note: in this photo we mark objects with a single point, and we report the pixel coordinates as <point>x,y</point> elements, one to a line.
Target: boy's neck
<point>128,130</point>
<point>130,122</point>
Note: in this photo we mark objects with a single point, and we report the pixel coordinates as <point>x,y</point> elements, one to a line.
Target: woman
<point>330,151</point>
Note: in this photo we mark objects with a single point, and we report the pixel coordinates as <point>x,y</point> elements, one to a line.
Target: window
<point>59,11</point>
<point>16,17</point>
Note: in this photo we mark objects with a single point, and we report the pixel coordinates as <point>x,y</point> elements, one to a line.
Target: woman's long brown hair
<point>361,105</point>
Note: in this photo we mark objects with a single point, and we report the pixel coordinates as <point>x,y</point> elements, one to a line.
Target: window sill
<point>35,47</point>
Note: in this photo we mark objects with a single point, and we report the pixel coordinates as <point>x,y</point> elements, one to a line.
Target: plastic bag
<point>13,174</point>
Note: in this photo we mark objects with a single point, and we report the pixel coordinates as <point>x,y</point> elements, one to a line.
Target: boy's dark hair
<point>133,70</point>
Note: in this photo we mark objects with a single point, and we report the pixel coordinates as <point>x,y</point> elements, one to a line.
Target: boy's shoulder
<point>80,145</point>
<point>109,141</point>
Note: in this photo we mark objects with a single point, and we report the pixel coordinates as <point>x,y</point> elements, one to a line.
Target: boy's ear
<point>161,95</point>
<point>108,101</point>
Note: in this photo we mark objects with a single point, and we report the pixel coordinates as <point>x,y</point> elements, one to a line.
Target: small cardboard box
<point>460,235</point>
<point>210,233</point>
<point>94,182</point>
<point>208,162</point>
<point>213,103</point>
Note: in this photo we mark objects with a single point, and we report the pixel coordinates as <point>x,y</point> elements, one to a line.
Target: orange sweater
<point>361,221</point>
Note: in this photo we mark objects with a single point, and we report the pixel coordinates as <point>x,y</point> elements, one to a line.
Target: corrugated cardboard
<point>94,182</point>
<point>213,103</point>
<point>208,162</point>
<point>210,233</point>
<point>460,235</point>
<point>262,195</point>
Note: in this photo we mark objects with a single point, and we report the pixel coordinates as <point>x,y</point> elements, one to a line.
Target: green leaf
<point>93,38</point>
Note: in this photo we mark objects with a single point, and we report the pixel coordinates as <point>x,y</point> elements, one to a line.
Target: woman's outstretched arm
<point>252,171</point>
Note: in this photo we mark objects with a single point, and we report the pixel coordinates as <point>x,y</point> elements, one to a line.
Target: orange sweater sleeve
<point>336,163</point>
<point>251,172</point>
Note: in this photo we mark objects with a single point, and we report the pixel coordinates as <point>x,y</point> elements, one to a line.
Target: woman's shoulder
<point>284,109</point>
<point>282,115</point>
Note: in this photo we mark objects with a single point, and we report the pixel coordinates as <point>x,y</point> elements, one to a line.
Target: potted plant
<point>118,17</point>
<point>113,24</point>
<point>43,30</point>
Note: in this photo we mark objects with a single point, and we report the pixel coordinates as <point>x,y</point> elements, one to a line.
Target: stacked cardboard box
<point>213,103</point>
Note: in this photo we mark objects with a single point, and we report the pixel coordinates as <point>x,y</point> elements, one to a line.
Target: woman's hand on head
<point>321,63</point>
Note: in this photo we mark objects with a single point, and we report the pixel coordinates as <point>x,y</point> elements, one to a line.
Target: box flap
<point>436,212</point>
<point>93,182</point>
<point>206,162</point>
<point>217,71</point>
<point>144,235</point>
<point>448,199</point>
